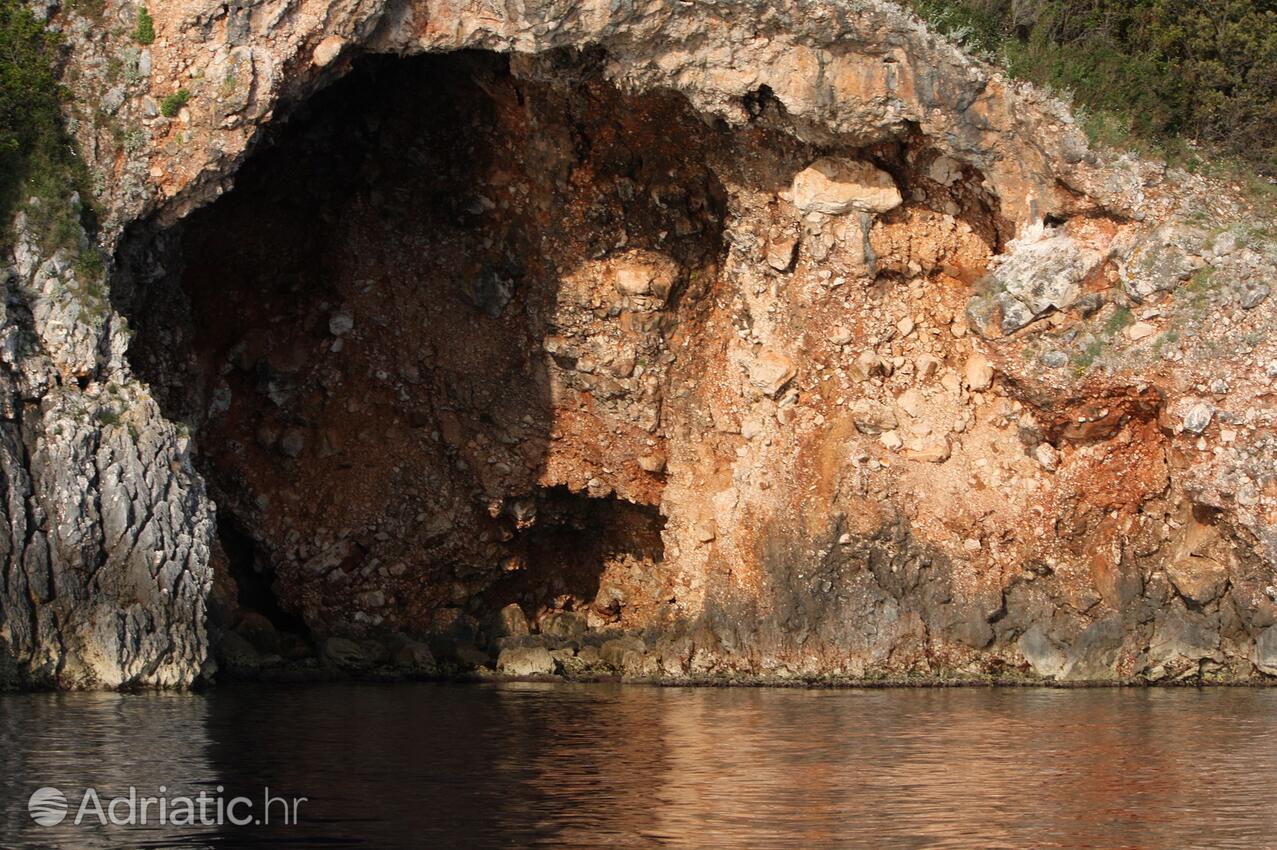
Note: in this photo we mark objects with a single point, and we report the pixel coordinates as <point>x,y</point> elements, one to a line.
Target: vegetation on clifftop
<point>31,134</point>
<point>1174,77</point>
<point>37,156</point>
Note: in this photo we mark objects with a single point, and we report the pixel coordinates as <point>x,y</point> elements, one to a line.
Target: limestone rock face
<point>781,334</point>
<point>857,73</point>
<point>105,529</point>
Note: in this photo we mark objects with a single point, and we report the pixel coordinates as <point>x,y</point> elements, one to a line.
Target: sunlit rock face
<point>768,341</point>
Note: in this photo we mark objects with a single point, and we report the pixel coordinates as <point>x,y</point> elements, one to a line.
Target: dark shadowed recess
<point>340,329</point>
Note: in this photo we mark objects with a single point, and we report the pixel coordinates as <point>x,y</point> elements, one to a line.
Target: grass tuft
<point>171,105</point>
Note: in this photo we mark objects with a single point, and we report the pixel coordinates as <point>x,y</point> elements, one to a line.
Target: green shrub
<point>145,31</point>
<point>39,169</point>
<point>171,105</point>
<point>34,148</point>
<point>1168,74</point>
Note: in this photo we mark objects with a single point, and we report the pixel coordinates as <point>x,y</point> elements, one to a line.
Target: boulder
<point>1251,293</point>
<point>872,418</point>
<point>835,186</point>
<point>525,661</point>
<point>511,622</point>
<point>613,652</point>
<point>1197,417</point>
<point>564,625</point>
<point>1162,261</point>
<point>770,372</point>
<point>349,654</point>
<point>259,631</point>
<point>911,402</point>
<point>781,252</point>
<point>327,51</point>
<point>237,654</point>
<point>1043,270</point>
<point>340,324</point>
<point>644,274</point>
<point>415,656</point>
<point>1181,641</point>
<point>936,449</point>
<point>1140,330</point>
<point>1266,651</point>
<point>1044,655</point>
<point>1093,656</point>
<point>867,365</point>
<point>1047,456</point>
<point>652,462</point>
<point>1199,580</point>
<point>978,372</point>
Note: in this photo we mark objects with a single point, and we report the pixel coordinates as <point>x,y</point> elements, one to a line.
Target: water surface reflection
<point>524,765</point>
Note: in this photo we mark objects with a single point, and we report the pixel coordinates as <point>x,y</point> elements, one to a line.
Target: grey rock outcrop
<point>105,530</point>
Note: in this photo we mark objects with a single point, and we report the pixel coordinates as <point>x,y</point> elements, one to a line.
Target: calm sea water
<point>523,765</point>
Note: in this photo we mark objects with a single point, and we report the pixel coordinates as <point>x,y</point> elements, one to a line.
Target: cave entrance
<point>420,343</point>
<point>586,554</point>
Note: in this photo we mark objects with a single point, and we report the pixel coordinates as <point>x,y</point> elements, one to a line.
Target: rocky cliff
<point>767,340</point>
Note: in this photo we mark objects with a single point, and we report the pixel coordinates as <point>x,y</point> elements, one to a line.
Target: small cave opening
<point>584,554</point>
<point>243,600</point>
<point>420,343</point>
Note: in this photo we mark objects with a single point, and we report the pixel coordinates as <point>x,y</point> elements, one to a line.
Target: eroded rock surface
<point>764,340</point>
<point>107,530</point>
